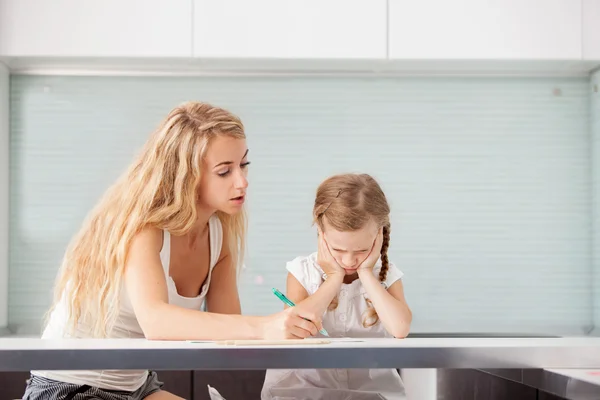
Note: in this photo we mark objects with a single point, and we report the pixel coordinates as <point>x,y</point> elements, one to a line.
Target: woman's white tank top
<point>127,325</point>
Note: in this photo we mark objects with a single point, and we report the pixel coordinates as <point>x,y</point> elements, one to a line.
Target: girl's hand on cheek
<point>374,254</point>
<point>326,260</point>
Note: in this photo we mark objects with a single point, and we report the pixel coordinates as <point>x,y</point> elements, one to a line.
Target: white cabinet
<point>486,30</point>
<point>591,30</point>
<point>96,28</point>
<point>92,32</point>
<point>285,29</point>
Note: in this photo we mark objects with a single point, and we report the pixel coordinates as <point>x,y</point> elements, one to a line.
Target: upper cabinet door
<point>96,28</point>
<point>591,30</point>
<point>310,29</point>
<point>486,30</point>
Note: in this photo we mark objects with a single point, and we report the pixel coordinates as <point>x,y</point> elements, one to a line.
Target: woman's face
<point>224,181</point>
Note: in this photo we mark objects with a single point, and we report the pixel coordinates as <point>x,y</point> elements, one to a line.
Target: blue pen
<point>290,303</point>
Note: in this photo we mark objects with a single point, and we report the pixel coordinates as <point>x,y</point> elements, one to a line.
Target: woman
<point>168,236</point>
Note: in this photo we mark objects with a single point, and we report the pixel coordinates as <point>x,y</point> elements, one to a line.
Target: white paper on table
<point>332,340</point>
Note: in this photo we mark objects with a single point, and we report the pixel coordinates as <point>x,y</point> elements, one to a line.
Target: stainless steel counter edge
<point>408,353</point>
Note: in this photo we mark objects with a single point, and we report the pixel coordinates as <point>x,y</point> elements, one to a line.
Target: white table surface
<point>18,354</point>
<point>16,343</point>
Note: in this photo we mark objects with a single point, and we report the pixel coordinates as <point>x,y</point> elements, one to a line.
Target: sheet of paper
<point>200,341</point>
<point>279,342</point>
<point>283,342</point>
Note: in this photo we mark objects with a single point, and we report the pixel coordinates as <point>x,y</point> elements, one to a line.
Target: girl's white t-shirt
<point>346,320</point>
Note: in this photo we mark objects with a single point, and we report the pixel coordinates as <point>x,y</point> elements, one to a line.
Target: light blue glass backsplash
<point>595,138</point>
<point>489,181</point>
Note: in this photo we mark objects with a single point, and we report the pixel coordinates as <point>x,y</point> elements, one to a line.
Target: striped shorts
<point>40,388</point>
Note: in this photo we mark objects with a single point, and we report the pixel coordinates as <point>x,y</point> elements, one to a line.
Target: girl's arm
<point>390,304</point>
<point>320,300</point>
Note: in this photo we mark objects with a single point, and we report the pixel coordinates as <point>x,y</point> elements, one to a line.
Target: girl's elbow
<point>401,333</point>
<point>402,330</point>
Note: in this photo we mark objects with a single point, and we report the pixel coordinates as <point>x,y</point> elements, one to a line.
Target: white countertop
<point>450,343</point>
<point>21,354</point>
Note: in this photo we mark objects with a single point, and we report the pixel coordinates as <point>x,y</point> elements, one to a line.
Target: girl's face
<point>350,248</point>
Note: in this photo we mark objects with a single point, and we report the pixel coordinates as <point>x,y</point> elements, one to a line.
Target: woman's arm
<point>390,304</point>
<point>159,320</point>
<point>223,296</point>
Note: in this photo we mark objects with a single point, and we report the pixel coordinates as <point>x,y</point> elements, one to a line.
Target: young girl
<point>351,282</point>
<point>166,238</point>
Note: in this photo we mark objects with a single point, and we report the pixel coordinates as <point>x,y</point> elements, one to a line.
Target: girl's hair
<point>349,202</point>
<point>159,189</point>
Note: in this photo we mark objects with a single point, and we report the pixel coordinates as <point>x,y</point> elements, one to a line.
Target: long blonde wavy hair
<point>349,202</point>
<point>158,189</point>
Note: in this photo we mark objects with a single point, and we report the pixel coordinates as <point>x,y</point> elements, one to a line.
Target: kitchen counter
<point>22,354</point>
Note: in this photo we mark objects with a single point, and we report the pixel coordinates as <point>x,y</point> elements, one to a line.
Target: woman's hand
<point>374,254</point>
<point>326,261</point>
<point>292,323</point>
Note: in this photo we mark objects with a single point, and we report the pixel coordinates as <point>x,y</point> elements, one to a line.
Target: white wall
<point>4,165</point>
